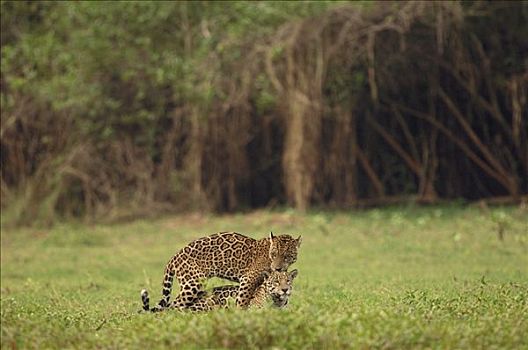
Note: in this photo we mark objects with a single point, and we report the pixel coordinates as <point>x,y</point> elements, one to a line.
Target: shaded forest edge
<point>141,108</point>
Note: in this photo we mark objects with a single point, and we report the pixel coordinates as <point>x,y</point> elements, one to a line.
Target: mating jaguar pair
<point>259,266</point>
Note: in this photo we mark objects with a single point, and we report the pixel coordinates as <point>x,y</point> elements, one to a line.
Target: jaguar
<point>276,288</point>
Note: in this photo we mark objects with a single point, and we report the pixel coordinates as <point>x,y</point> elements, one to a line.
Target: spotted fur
<point>276,288</point>
<point>227,255</point>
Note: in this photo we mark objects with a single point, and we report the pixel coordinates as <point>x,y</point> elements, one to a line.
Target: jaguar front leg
<point>247,288</point>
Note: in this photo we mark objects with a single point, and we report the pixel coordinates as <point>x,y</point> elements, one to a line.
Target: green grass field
<point>396,278</point>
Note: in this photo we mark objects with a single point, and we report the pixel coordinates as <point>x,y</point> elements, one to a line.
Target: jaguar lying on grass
<point>227,255</point>
<point>276,287</point>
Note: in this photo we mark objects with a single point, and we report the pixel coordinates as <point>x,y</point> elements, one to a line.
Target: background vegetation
<point>114,108</point>
<point>397,278</point>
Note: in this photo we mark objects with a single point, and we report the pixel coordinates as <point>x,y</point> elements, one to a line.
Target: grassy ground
<point>394,278</point>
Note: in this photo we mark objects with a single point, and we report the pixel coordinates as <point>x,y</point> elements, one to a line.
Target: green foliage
<point>393,278</point>
<point>117,67</point>
<point>113,73</point>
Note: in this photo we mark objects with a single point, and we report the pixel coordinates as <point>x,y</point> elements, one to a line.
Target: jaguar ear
<point>271,236</point>
<point>292,274</point>
<point>299,240</point>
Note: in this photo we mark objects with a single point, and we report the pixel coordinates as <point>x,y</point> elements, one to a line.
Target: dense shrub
<point>113,108</point>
